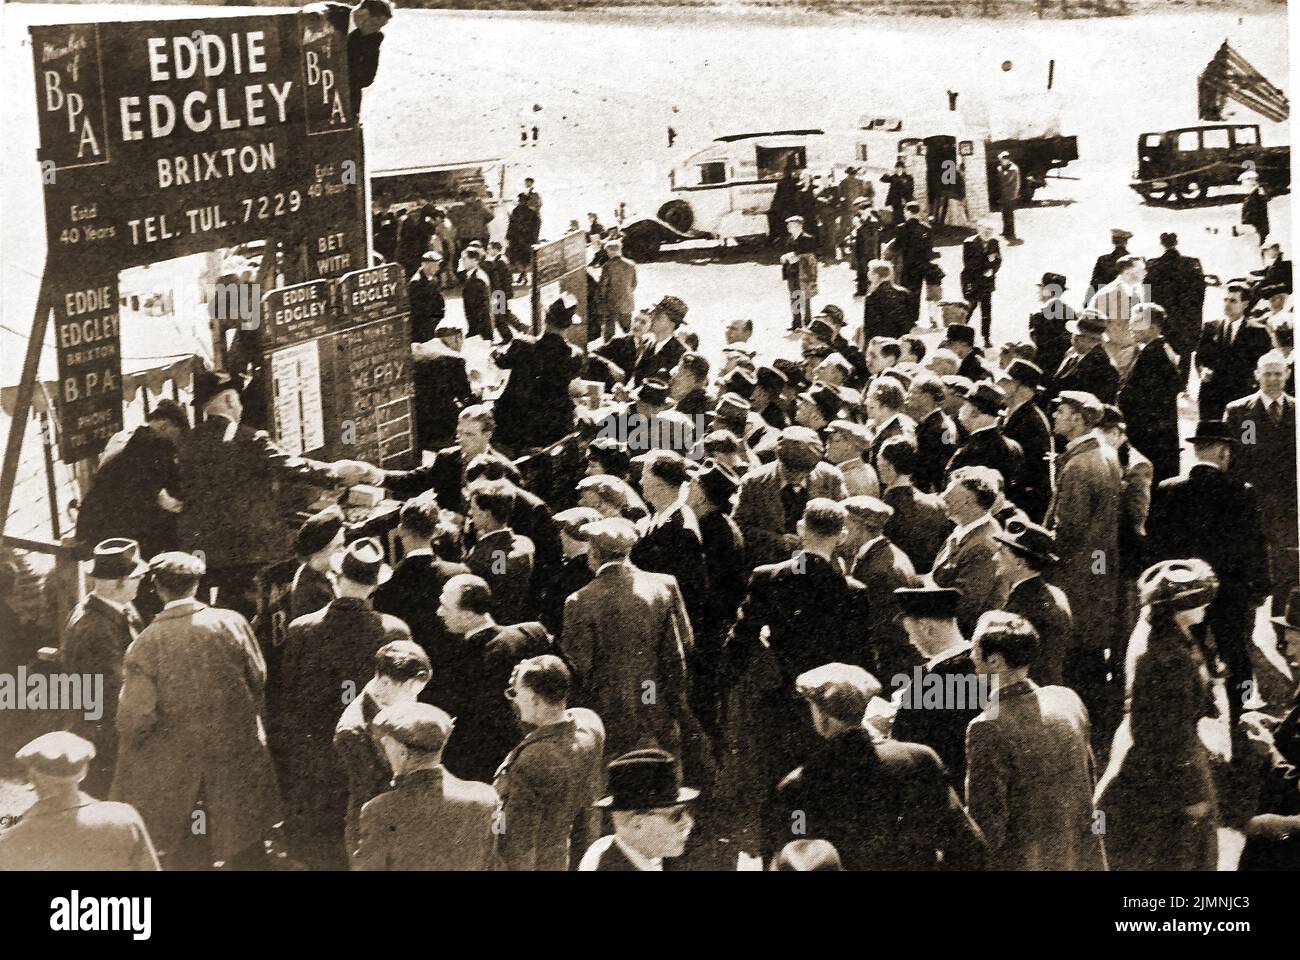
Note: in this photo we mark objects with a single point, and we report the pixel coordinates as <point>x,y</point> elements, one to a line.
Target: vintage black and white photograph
<point>649,435</point>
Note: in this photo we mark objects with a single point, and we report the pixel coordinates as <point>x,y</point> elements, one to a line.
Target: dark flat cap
<point>932,603</point>
<point>317,531</point>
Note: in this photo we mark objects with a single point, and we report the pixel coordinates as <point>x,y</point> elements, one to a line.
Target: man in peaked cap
<point>1026,424</point>
<point>1214,516</point>
<point>1105,269</point>
<point>883,805</point>
<point>980,417</point>
<point>430,819</point>
<point>649,808</point>
<point>94,643</point>
<point>1026,560</point>
<point>67,829</point>
<point>1087,367</point>
<point>799,270</point>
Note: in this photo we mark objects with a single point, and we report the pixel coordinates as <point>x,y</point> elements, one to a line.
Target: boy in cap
<point>650,812</point>
<point>430,819</point>
<point>882,805</point>
<point>66,829</point>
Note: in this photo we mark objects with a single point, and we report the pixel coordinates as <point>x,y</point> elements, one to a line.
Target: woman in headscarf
<point>1157,795</point>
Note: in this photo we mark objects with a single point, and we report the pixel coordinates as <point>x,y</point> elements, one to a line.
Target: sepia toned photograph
<point>686,436</point>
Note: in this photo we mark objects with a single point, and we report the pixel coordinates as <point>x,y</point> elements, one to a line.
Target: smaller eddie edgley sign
<point>88,345</point>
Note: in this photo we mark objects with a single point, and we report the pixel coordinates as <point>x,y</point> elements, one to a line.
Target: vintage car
<point>1182,164</point>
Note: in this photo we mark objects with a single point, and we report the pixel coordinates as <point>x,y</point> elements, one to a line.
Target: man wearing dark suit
<point>887,308</point>
<point>529,518</point>
<point>663,350</point>
<point>883,806</point>
<point>1268,464</point>
<point>445,476</point>
<point>981,257</point>
<point>535,409</point>
<point>625,349</point>
<point>1177,283</point>
<point>1047,325</point>
<point>326,654</point>
<point>650,812</point>
<point>1027,425</point>
<point>486,727</point>
<point>985,444</point>
<point>1149,394</point>
<point>623,631</point>
<point>574,572</point>
<point>812,614</point>
<point>670,542</point>
<point>914,248</point>
<point>882,568</point>
<point>930,618</point>
<point>502,557</point>
<point>94,643</point>
<point>1106,268</point>
<point>441,383</point>
<point>1254,209</point>
<point>1030,770</point>
<point>967,561</point>
<point>1208,514</point>
<point>901,190</point>
<point>425,294</point>
<point>936,433</point>
<point>411,595</point>
<point>1227,353</point>
<point>1087,367</point>
<point>919,525</point>
<point>430,819</point>
<point>1025,556</point>
<point>476,294</point>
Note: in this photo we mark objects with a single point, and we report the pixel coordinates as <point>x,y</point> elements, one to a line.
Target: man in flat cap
<point>1148,395</point>
<point>1227,352</point>
<point>1026,424</point>
<point>1026,560</point>
<point>67,829</point>
<point>623,631</point>
<point>425,293</point>
<point>883,805</point>
<point>190,729</point>
<point>95,640</point>
<point>662,349</point>
<point>1209,514</point>
<point>650,812</point>
<point>1087,367</point>
<point>430,819</point>
<point>772,497</point>
<point>1177,283</point>
<point>328,656</point>
<point>574,573</point>
<point>1085,516</point>
<point>879,565</point>
<point>1106,268</point>
<point>402,669</point>
<point>981,418</point>
<point>799,270</point>
<point>1030,771</point>
<point>315,545</point>
<point>535,408</point>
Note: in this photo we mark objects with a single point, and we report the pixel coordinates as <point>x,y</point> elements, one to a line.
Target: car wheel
<point>1191,189</point>
<point>678,215</point>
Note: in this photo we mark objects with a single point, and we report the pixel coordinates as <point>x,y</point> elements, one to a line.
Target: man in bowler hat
<point>650,811</point>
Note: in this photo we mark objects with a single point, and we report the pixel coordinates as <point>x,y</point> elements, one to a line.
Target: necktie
<point>1275,411</point>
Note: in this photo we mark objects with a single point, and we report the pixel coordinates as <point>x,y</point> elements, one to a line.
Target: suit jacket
<point>430,820</point>
<point>942,730</point>
<point>977,258</point>
<point>123,497</point>
<point>1269,466</point>
<point>1177,283</point>
<point>94,642</point>
<point>624,630</point>
<point>505,560</point>
<point>1191,516</point>
<point>618,286</point>
<point>1094,373</point>
<point>86,835</point>
<point>883,806</point>
<point>1047,332</point>
<point>535,409</point>
<point>623,351</point>
<point>656,362</point>
<point>362,760</point>
<point>547,785</point>
<point>574,574</point>
<point>427,306</point>
<point>936,441</point>
<point>189,716</point>
<point>882,568</point>
<point>973,366</point>
<point>1254,210</point>
<point>989,448</point>
<point>441,390</point>
<point>1106,268</point>
<point>1046,606</point>
<point>476,298</point>
<point>913,245</point>
<point>1226,356</point>
<point>674,546</point>
<point>919,525</point>
<point>1149,399</point>
<point>1031,489</point>
<point>970,565</point>
<point>759,512</point>
<point>886,312</point>
<point>486,726</point>
<point>1085,514</point>
<point>1029,780</point>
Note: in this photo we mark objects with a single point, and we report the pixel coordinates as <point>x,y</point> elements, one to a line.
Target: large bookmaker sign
<point>166,138</point>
